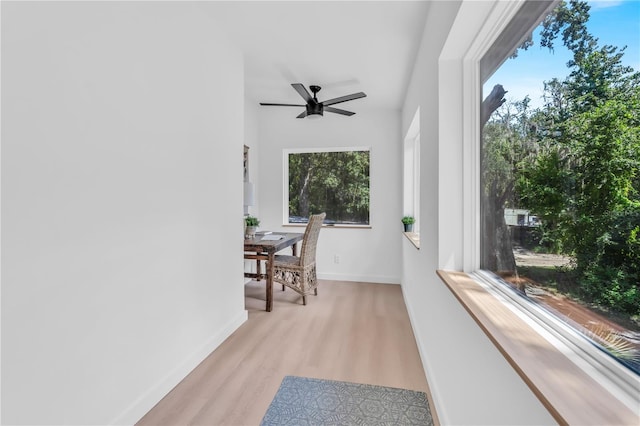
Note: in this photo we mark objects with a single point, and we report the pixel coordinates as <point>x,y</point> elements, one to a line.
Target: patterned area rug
<point>305,401</point>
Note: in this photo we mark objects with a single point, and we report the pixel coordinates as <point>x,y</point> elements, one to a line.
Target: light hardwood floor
<point>356,332</point>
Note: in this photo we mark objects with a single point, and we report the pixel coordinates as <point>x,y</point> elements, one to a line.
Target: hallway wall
<point>121,166</point>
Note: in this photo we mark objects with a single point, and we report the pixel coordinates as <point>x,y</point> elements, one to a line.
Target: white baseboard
<point>379,279</point>
<point>151,397</point>
<point>428,371</point>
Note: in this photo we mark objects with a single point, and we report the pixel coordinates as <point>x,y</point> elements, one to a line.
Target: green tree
<point>584,182</point>
<point>333,182</point>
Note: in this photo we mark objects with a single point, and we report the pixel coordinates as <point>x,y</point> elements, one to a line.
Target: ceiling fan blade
<point>303,92</point>
<point>303,114</point>
<point>339,111</point>
<point>344,98</point>
<point>269,104</point>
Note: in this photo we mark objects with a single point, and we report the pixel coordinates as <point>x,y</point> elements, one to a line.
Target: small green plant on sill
<point>408,220</point>
<point>251,221</point>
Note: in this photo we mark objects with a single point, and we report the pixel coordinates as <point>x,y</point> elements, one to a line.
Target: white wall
<point>121,205</point>
<point>364,254</point>
<point>470,380</point>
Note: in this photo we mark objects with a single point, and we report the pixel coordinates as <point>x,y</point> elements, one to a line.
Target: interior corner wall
<point>251,140</point>
<point>122,126</point>
<point>378,129</point>
<point>470,380</point>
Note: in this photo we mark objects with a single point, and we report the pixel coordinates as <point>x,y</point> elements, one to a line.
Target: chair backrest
<point>310,239</point>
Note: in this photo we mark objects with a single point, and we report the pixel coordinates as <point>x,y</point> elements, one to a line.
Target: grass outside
<point>558,281</point>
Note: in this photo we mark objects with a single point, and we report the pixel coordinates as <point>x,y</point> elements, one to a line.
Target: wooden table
<point>258,249</point>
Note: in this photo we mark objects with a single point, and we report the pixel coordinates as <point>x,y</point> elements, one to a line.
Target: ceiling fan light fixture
<point>315,110</point>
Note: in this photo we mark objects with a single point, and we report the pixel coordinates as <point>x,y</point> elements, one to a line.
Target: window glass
<point>560,173</point>
<point>334,181</point>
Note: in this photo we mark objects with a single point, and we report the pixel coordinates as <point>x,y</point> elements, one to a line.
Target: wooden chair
<point>299,273</point>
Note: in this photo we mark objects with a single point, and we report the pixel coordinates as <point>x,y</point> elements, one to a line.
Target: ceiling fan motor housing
<point>314,109</point>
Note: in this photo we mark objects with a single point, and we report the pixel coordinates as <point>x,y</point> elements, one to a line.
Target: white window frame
<point>285,181</point>
<point>411,175</point>
<point>459,186</point>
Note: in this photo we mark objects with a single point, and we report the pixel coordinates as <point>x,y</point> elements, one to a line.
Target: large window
<point>560,175</point>
<point>332,180</point>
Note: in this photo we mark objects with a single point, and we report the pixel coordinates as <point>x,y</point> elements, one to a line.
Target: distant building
<point>520,217</point>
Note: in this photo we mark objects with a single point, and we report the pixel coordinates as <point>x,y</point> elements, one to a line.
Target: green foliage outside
<point>576,162</point>
<point>333,182</point>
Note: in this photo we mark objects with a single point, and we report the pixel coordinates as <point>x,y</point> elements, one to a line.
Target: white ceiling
<point>344,47</point>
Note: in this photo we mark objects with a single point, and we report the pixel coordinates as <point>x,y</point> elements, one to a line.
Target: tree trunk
<point>497,248</point>
<point>492,102</point>
<point>303,206</point>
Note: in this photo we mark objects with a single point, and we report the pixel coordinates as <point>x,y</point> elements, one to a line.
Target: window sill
<point>324,225</point>
<point>414,238</point>
<point>555,380</point>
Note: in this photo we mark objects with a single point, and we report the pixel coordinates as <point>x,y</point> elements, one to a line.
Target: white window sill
<point>571,395</point>
<point>324,225</point>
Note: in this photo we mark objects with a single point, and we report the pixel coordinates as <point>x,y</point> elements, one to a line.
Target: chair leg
<point>282,287</point>
<point>304,300</point>
<point>316,290</point>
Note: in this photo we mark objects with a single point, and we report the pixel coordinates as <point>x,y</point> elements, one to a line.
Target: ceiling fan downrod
<point>315,90</point>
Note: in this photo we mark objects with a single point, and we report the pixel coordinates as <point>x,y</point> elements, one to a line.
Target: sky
<point>613,22</point>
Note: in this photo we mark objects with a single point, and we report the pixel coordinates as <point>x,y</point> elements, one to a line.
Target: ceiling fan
<point>314,108</point>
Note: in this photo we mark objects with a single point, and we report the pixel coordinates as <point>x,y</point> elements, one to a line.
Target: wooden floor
<point>356,332</point>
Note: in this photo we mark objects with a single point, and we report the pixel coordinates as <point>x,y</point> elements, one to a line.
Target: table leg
<point>270,281</point>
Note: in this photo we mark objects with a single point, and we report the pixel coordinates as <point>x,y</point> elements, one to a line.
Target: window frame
<point>411,175</point>
<point>285,183</point>
<point>464,252</point>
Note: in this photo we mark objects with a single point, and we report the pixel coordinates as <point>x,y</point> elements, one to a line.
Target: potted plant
<point>251,223</point>
<point>408,222</point>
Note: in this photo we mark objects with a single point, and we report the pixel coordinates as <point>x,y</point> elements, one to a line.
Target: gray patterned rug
<point>305,401</point>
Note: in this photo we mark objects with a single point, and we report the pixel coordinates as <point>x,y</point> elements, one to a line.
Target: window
<point>411,175</point>
<point>332,180</point>
<point>559,191</point>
